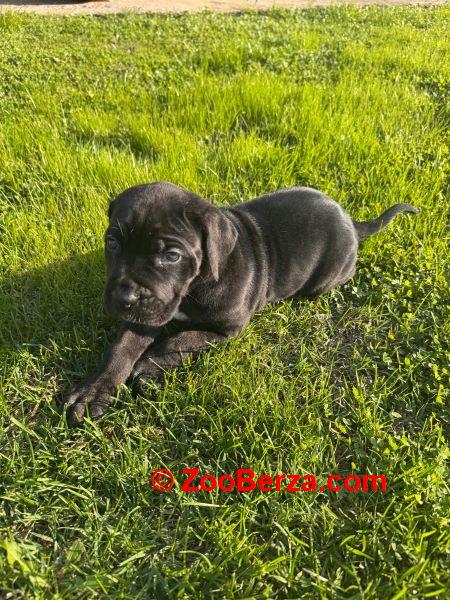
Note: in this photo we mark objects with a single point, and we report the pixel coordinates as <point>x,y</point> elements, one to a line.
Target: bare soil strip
<point>55,7</point>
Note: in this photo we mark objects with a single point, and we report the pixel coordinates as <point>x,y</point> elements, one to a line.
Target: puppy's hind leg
<point>170,354</point>
<point>348,270</point>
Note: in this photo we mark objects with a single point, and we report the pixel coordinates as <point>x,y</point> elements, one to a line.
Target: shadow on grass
<point>51,304</point>
<point>123,141</point>
<point>53,331</point>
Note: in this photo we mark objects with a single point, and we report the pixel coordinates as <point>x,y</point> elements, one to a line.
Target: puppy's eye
<point>112,244</point>
<point>172,256</point>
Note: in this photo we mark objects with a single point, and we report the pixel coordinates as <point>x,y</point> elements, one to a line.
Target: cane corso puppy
<point>171,255</point>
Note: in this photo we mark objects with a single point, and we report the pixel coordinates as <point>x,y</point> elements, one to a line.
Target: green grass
<point>351,101</point>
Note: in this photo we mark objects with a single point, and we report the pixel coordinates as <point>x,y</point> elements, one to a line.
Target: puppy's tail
<point>365,229</point>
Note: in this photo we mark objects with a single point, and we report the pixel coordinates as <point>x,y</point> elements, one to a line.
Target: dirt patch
<point>55,7</point>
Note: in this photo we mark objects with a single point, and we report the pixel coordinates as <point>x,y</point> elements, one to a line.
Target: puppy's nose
<point>125,295</point>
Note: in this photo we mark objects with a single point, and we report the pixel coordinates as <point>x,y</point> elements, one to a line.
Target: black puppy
<point>172,255</point>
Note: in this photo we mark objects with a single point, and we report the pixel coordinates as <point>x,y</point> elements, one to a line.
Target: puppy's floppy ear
<point>220,237</point>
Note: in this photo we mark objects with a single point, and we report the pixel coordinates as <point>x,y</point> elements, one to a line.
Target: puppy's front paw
<point>87,399</point>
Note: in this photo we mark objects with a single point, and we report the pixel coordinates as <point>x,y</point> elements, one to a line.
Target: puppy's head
<point>160,239</point>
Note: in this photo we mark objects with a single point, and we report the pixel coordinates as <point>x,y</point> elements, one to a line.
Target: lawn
<point>350,101</point>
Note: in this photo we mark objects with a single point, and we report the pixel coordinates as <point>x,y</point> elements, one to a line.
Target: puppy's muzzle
<point>124,295</point>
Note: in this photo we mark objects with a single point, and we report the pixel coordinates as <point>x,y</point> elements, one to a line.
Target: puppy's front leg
<point>96,392</point>
<point>171,353</point>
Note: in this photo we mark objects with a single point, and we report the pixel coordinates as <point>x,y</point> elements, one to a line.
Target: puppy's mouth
<point>146,310</point>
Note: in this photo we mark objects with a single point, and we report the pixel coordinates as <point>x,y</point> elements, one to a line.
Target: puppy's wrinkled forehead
<point>154,211</point>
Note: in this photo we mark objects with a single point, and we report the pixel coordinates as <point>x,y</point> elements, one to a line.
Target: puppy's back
<point>307,236</point>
